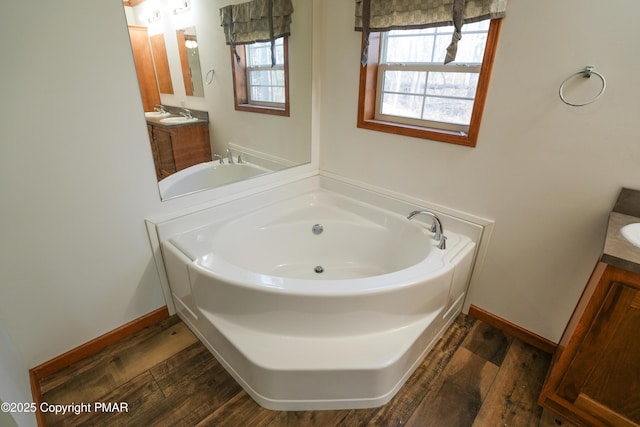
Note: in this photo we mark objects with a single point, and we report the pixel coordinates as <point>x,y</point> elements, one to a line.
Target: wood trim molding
<point>483,83</point>
<point>522,334</point>
<point>184,62</point>
<point>87,349</point>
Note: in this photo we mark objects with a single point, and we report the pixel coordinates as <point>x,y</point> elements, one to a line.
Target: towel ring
<point>209,76</point>
<point>586,73</point>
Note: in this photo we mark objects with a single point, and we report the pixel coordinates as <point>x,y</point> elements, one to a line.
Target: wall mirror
<point>190,61</point>
<point>191,69</point>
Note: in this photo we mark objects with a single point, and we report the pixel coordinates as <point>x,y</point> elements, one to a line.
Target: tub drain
<point>318,269</point>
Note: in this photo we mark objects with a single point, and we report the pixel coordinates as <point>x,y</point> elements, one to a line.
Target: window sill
<point>432,134</point>
<point>263,109</point>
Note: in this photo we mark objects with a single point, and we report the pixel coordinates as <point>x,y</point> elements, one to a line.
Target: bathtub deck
<point>475,376</point>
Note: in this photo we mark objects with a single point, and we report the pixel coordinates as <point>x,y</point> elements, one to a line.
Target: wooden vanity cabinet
<point>594,378</point>
<point>154,151</point>
<point>177,147</point>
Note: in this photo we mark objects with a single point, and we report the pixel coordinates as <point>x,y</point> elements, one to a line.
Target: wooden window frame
<point>240,86</point>
<point>367,96</point>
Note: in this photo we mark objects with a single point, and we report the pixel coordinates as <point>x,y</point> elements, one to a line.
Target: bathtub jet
<point>317,321</point>
<point>317,229</point>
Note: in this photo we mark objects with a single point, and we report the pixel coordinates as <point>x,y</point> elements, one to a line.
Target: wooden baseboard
<point>87,349</point>
<point>522,334</point>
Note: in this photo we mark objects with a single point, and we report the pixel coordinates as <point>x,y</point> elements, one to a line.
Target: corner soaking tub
<point>317,301</point>
<point>206,175</point>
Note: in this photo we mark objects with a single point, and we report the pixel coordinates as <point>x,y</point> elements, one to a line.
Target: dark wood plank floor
<point>475,376</point>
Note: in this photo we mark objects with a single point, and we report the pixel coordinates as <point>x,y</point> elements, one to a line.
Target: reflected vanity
<point>179,139</point>
<point>191,69</point>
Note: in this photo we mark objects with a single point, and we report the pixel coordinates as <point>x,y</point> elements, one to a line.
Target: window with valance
<point>257,32</point>
<point>385,15</point>
<point>418,76</point>
<point>256,21</point>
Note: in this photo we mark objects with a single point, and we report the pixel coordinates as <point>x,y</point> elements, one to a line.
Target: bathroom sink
<point>156,114</point>
<point>631,232</point>
<point>176,120</point>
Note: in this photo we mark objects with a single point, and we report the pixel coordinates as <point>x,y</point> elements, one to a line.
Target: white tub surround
<point>317,294</point>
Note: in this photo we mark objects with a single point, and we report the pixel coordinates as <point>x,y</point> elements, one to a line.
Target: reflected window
<point>265,83</point>
<point>259,85</point>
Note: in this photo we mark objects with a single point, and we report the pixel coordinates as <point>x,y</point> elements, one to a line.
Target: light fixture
<point>154,17</point>
<point>191,44</point>
<point>184,5</point>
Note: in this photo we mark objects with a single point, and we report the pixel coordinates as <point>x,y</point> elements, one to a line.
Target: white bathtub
<point>333,320</point>
<point>206,175</point>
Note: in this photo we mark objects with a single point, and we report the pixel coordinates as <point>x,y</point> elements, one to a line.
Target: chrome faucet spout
<point>436,226</point>
<point>186,113</point>
<point>229,156</point>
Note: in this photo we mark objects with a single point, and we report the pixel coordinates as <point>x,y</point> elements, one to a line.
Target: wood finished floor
<point>475,376</point>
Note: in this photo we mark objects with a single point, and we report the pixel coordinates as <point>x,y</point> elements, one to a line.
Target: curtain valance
<point>385,15</point>
<point>256,21</point>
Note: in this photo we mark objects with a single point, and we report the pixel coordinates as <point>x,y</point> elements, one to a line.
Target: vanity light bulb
<point>154,17</point>
<point>183,7</point>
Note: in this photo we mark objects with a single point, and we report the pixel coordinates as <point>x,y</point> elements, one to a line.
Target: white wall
<point>76,182</point>
<point>14,386</point>
<point>547,173</point>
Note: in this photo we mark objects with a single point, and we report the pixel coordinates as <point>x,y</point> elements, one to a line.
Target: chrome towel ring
<point>209,76</point>
<point>586,73</point>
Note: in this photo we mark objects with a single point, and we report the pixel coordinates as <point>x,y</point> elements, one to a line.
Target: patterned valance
<point>256,21</point>
<point>385,15</point>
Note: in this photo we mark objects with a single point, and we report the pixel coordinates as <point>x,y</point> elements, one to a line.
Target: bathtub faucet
<point>218,157</point>
<point>436,227</point>
<point>229,156</point>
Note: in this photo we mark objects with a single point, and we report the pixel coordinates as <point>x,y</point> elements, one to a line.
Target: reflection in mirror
<point>190,61</point>
<point>226,144</point>
<point>144,66</point>
<point>161,62</point>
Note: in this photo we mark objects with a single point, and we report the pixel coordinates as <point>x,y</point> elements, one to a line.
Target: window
<point>406,89</point>
<point>258,86</point>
